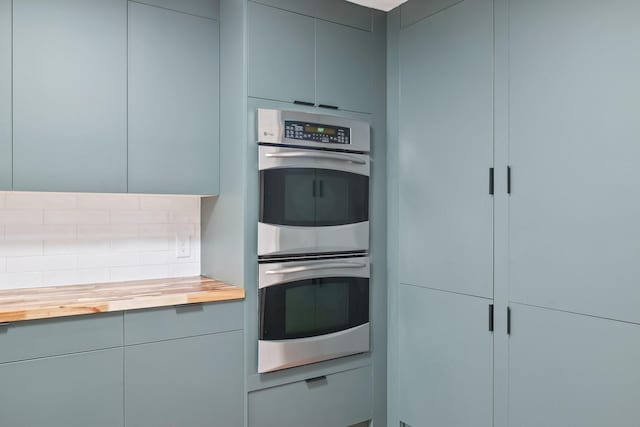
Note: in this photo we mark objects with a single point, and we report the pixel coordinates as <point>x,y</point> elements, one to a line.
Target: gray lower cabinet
<point>195,382</point>
<point>337,400</point>
<point>445,359</point>
<point>173,77</point>
<point>567,369</point>
<point>5,95</point>
<point>281,54</point>
<point>76,390</point>
<point>69,95</point>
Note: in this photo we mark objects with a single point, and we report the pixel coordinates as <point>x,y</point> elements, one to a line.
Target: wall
<point>66,238</point>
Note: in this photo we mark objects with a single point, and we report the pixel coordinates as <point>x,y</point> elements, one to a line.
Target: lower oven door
<point>312,311</point>
<point>312,202</point>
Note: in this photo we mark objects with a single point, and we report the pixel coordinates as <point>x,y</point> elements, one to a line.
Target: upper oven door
<point>306,299</point>
<point>312,201</point>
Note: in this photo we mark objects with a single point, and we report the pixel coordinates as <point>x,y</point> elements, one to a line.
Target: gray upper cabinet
<point>5,95</point>
<point>173,102</point>
<point>446,150</point>
<point>574,150</point>
<point>344,67</point>
<point>195,382</point>
<point>572,370</point>
<point>338,11</point>
<point>69,94</point>
<point>293,57</point>
<point>77,390</point>
<point>281,62</point>
<point>204,8</point>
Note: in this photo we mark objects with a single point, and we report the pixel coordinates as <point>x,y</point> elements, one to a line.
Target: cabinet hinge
<point>508,320</point>
<point>508,179</point>
<point>490,317</point>
<point>491,181</point>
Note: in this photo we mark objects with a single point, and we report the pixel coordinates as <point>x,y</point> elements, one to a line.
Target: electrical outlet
<point>183,246</point>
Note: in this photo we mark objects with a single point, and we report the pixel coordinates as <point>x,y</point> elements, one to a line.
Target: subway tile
<point>20,200</point>
<point>56,247</point>
<point>40,232</point>
<point>20,280</point>
<point>13,248</point>
<point>184,269</point>
<point>76,216</point>
<point>75,277</point>
<point>155,258</point>
<point>93,232</point>
<point>3,195</point>
<point>170,203</point>
<point>3,265</point>
<point>21,216</point>
<point>41,263</point>
<point>140,244</point>
<point>139,217</point>
<point>108,260</point>
<point>108,201</point>
<point>154,230</point>
<point>138,272</point>
<point>184,217</point>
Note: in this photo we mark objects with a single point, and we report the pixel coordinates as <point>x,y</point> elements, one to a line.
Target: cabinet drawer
<point>158,324</point>
<point>51,337</point>
<point>339,400</point>
<point>76,390</point>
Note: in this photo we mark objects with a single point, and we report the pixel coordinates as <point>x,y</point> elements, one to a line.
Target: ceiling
<point>385,5</point>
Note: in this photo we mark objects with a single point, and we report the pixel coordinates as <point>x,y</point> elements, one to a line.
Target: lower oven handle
<point>318,155</point>
<point>311,267</point>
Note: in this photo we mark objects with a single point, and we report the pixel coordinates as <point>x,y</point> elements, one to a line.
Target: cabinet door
<point>446,150</point>
<point>572,370</point>
<point>574,150</point>
<point>195,382</point>
<point>445,359</point>
<point>281,54</point>
<point>69,82</point>
<point>5,95</point>
<point>78,390</point>
<point>173,102</point>
<point>344,67</point>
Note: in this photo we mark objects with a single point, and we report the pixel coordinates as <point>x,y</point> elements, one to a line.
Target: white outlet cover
<point>385,5</point>
<point>183,246</point>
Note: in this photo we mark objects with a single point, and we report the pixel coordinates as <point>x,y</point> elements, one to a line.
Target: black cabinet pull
<point>309,104</point>
<point>314,380</point>
<point>331,107</point>
<point>490,317</point>
<point>508,179</point>
<point>491,181</point>
<point>508,320</point>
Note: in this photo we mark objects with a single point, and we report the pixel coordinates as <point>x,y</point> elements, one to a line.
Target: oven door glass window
<point>313,197</point>
<point>312,307</point>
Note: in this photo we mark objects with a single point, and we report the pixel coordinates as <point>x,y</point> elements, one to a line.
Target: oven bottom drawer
<point>276,355</point>
<point>337,400</point>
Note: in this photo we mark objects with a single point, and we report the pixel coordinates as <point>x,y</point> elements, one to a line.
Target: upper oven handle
<point>318,155</point>
<point>311,267</point>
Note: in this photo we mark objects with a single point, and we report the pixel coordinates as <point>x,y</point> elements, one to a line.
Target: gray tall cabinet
<point>5,95</point>
<point>545,93</point>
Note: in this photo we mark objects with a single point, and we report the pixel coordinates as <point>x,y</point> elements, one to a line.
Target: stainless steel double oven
<point>313,238</point>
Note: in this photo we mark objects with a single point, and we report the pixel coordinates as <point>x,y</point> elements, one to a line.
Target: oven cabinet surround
<point>295,57</point>
<point>94,112</point>
<point>313,402</point>
<point>162,367</point>
<point>558,106</point>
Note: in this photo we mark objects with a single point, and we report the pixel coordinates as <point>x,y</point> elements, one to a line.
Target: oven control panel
<point>315,132</point>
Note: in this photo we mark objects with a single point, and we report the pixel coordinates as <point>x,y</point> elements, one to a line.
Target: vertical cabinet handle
<point>491,181</point>
<point>490,317</point>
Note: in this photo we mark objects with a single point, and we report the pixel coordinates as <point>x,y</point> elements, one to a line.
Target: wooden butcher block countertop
<point>59,301</point>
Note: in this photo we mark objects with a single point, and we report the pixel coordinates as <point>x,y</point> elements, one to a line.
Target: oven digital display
<point>316,132</point>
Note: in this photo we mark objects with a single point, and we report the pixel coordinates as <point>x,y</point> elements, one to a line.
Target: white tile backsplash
<point>65,238</point>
